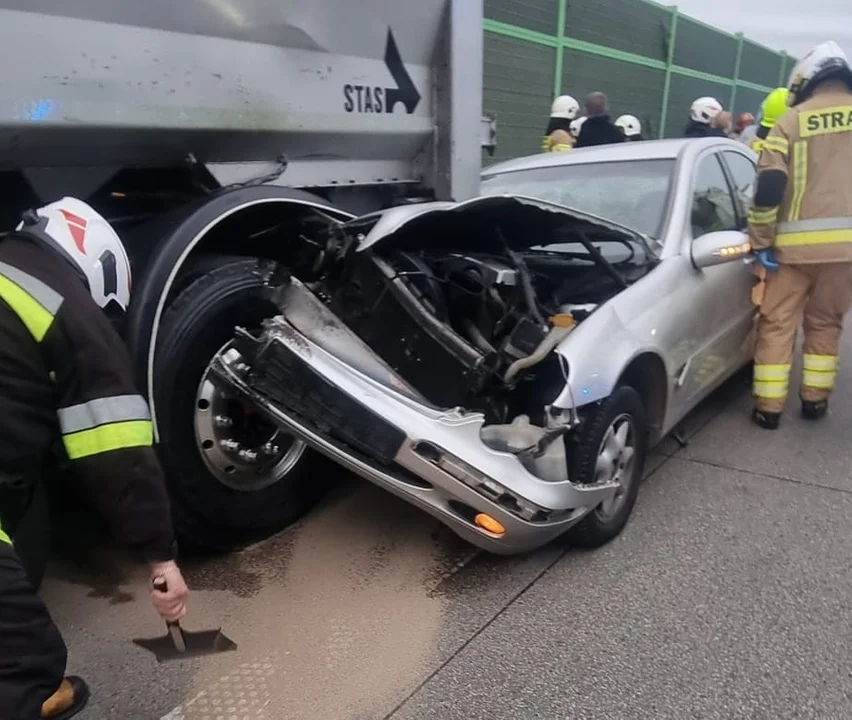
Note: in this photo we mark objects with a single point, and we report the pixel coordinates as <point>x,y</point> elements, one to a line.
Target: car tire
<point>208,513</point>
<point>604,523</point>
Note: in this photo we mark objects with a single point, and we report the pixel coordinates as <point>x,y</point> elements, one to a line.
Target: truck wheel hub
<point>240,448</point>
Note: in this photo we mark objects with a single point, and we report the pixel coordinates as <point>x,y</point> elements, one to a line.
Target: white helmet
<point>574,127</point>
<point>564,107</point>
<point>84,238</point>
<point>825,60</point>
<point>629,125</point>
<point>704,109</point>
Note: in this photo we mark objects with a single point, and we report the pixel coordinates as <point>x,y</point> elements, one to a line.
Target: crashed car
<point>505,363</point>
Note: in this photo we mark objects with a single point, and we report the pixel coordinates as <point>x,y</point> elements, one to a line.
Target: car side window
<point>743,173</point>
<point>712,202</point>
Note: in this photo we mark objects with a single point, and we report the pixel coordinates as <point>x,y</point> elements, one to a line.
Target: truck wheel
<point>612,447</point>
<point>234,478</point>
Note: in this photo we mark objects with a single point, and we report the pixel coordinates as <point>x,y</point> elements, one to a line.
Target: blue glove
<point>766,258</point>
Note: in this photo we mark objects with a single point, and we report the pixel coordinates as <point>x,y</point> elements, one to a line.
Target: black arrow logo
<point>404,92</point>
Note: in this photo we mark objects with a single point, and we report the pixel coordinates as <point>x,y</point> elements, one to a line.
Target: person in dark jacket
<point>598,129</point>
<point>701,115</point>
<point>66,382</point>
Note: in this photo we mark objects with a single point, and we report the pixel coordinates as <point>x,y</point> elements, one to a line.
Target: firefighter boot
<point>68,700</point>
<point>814,410</point>
<point>766,420</point>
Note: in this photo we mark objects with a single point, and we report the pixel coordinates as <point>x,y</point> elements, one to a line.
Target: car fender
<point>177,235</point>
<point>597,353</point>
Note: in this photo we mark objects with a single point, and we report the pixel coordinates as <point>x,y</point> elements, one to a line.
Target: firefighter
<point>701,114</point>
<point>800,228</point>
<point>630,127</point>
<point>65,380</point>
<point>557,136</point>
<point>576,126</point>
<point>773,107</point>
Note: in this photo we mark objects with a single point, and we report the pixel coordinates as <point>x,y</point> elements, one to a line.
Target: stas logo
<point>377,99</point>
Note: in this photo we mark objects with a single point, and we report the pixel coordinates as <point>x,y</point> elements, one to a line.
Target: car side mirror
<point>715,248</point>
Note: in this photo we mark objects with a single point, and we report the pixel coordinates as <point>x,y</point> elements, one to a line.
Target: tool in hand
<point>179,643</point>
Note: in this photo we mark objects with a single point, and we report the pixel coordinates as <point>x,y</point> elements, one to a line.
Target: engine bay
<point>469,328</point>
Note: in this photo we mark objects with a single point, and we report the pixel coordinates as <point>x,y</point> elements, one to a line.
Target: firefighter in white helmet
<point>800,229</point>
<point>701,115</point>
<point>630,127</point>
<point>557,137</point>
<point>576,126</point>
<point>66,384</point>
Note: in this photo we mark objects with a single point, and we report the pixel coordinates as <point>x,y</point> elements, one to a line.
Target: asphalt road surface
<point>727,596</point>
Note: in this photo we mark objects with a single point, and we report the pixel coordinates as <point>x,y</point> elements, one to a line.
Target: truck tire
<point>596,456</point>
<point>223,499</point>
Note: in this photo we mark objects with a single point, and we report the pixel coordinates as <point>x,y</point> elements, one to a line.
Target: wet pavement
<point>727,596</point>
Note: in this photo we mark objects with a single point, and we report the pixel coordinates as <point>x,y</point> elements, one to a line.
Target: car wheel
<point>612,447</point>
<point>234,478</point>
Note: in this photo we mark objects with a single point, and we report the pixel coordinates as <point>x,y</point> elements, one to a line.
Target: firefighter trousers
<point>816,296</point>
<point>32,652</point>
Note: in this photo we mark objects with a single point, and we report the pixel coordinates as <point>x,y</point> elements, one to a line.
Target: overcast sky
<point>791,25</point>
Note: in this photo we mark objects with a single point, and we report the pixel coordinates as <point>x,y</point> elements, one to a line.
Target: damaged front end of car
<point>421,356</point>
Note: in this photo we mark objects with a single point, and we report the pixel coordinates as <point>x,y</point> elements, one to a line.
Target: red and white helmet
<point>704,109</point>
<point>827,60</point>
<point>86,240</point>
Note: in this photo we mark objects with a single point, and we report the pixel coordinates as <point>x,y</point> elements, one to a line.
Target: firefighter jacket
<point>65,375</point>
<point>802,205</point>
<point>557,141</point>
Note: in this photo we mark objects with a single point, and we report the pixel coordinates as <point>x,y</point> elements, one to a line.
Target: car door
<point>711,304</point>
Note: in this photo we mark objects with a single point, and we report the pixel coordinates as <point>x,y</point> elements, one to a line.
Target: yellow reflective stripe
<point>820,363</point>
<point>762,217</point>
<point>757,145</point>
<point>814,237</point>
<point>32,313</point>
<point>826,121</point>
<point>772,372</point>
<point>800,178</point>
<point>4,537</point>
<point>560,147</point>
<point>545,143</point>
<point>778,144</point>
<point>820,379</point>
<point>770,390</point>
<point>106,438</point>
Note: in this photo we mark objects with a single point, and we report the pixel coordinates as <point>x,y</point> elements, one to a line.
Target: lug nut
<point>229,445</point>
<point>223,421</point>
<point>271,449</point>
<point>247,455</point>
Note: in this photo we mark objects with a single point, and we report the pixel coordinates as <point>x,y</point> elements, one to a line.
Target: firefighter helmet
<point>704,109</point>
<point>574,127</point>
<point>565,107</point>
<point>629,125</point>
<point>73,229</point>
<point>824,62</point>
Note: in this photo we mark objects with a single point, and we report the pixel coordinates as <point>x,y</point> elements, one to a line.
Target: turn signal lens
<point>489,524</point>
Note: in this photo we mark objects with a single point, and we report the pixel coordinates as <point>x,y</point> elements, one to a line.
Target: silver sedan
<point>505,362</point>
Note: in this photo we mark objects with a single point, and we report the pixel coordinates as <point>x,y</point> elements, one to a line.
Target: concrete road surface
<point>728,596</point>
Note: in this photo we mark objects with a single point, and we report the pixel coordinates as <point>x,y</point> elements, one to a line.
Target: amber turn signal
<point>489,524</point>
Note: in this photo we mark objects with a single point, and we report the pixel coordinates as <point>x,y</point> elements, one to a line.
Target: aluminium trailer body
<point>212,133</point>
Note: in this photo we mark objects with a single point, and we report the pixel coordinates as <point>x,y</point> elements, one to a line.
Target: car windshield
<point>632,193</point>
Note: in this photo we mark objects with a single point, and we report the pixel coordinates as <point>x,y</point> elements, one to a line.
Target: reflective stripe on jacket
<point>4,537</point>
<point>557,141</point>
<point>812,145</point>
<point>65,374</point>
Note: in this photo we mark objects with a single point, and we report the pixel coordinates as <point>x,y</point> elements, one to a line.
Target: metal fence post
<point>736,77</point>
<point>664,111</point>
<point>562,10</point>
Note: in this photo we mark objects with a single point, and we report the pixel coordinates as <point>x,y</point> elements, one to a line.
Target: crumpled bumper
<point>434,458</point>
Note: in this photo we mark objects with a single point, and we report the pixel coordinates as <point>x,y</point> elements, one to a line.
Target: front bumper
<point>433,458</point>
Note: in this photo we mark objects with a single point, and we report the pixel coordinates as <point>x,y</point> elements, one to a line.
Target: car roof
<point>614,152</point>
